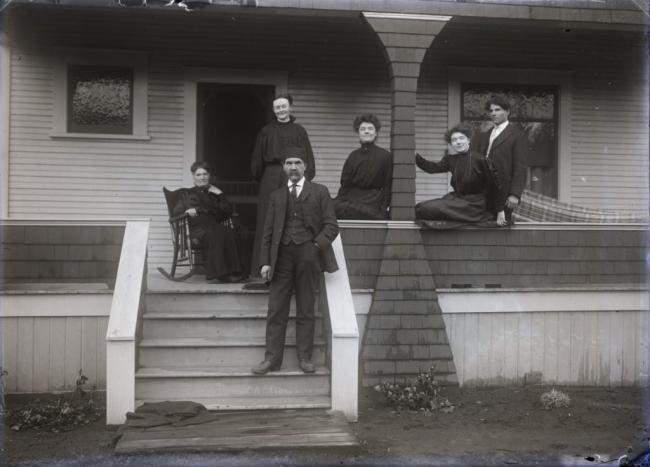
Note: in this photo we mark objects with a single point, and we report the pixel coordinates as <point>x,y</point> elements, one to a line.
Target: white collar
<point>299,183</point>
<point>501,126</point>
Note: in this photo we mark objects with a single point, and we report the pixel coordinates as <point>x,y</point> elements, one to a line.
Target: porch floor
<point>156,282</point>
<point>247,430</point>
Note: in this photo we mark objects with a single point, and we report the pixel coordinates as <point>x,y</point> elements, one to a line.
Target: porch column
<point>406,39</point>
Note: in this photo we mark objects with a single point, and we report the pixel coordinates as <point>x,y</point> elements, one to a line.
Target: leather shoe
<point>306,366</point>
<point>264,367</point>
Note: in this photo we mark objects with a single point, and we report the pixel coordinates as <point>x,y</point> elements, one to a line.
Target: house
<point>544,302</point>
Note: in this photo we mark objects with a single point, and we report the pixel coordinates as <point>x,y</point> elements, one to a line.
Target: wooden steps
<point>238,431</point>
<point>218,352</point>
<point>200,344</point>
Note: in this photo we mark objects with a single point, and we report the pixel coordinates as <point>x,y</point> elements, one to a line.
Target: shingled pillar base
<point>405,332</point>
<point>406,39</point>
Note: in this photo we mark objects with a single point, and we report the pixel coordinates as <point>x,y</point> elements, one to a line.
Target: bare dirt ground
<point>491,426</point>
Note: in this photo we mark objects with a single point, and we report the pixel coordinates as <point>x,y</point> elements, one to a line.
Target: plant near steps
<point>421,394</point>
<point>554,399</point>
<point>64,413</point>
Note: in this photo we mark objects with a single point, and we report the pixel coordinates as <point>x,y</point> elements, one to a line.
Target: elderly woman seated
<point>208,207</point>
<point>471,174</point>
<point>366,176</point>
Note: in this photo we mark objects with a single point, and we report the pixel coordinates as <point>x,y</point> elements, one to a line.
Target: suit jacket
<point>509,153</point>
<point>320,219</point>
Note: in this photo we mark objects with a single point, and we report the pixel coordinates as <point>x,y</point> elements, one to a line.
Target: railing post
<point>121,335</point>
<point>344,337</point>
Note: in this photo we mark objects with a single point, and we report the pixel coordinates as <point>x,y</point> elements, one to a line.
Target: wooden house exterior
<point>199,75</point>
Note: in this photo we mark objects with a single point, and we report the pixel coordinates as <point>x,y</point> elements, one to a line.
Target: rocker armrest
<point>178,217</point>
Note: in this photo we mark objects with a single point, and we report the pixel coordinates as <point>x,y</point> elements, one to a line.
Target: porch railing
<point>124,323</point>
<point>344,336</point>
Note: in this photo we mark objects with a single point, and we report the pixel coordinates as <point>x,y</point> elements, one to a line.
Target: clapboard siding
<point>607,132</point>
<point>603,348</point>
<point>84,176</point>
<point>45,354</point>
<point>336,70</point>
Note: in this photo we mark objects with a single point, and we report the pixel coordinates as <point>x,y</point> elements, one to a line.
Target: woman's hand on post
<point>501,219</point>
<point>265,272</point>
<point>512,202</point>
<point>191,212</point>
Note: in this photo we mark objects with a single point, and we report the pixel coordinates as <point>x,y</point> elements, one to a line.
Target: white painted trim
<point>362,301</point>
<point>62,57</point>
<point>375,14</point>
<point>5,92</point>
<point>100,136</point>
<point>71,220</point>
<point>55,305</point>
<point>535,301</point>
<point>194,76</point>
<point>345,336</point>
<point>563,226</point>
<point>120,380</point>
<point>126,309</point>
<point>129,282</point>
<point>562,79</point>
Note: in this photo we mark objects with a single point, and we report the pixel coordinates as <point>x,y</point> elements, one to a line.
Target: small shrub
<point>554,399</point>
<point>62,414</point>
<point>423,394</point>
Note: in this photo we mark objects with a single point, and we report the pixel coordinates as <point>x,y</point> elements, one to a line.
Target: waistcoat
<point>295,229</point>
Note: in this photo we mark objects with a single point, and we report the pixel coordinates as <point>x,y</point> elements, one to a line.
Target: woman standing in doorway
<point>266,164</point>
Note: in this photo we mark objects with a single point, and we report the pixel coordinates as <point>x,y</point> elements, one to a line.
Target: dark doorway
<point>229,116</point>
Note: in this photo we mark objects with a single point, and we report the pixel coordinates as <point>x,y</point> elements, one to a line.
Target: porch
<point>571,309</point>
<point>333,62</point>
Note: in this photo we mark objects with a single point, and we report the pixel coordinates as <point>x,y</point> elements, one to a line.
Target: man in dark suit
<point>507,146</point>
<point>296,247</point>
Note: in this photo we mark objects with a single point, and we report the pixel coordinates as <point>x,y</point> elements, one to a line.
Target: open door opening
<point>229,116</point>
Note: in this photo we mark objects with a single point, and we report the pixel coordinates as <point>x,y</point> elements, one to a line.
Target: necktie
<point>294,191</point>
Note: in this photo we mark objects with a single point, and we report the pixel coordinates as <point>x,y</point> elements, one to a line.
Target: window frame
<point>524,77</point>
<point>137,61</point>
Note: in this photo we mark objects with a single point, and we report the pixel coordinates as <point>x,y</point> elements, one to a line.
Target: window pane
<point>100,99</point>
<point>527,103</point>
<point>534,110</point>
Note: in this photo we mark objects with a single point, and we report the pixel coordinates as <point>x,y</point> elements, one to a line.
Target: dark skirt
<point>454,207</point>
<point>346,209</point>
<point>272,178</point>
<point>220,256</point>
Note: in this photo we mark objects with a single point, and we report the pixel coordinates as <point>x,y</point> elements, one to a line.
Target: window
<point>100,99</point>
<point>535,110</point>
<point>100,94</point>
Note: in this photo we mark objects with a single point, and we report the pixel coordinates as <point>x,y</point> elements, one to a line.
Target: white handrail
<point>344,337</point>
<point>123,323</point>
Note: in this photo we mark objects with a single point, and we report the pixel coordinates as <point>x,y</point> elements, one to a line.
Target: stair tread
<point>244,403</point>
<point>229,371</point>
<point>214,314</point>
<point>224,341</point>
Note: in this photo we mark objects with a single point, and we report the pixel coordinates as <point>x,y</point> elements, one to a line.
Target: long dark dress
<point>266,167</point>
<point>365,184</point>
<point>221,256</point>
<point>471,175</point>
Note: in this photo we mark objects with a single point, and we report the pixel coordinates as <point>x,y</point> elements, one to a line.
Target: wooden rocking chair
<point>186,249</point>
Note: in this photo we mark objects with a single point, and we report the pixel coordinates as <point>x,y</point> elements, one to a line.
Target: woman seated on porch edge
<point>366,176</point>
<point>471,174</point>
<point>208,207</point>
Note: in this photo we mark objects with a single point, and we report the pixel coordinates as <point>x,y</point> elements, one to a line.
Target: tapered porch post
<point>405,332</point>
<point>406,38</point>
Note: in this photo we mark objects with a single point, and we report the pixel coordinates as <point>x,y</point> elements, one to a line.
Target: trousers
<point>297,270</point>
